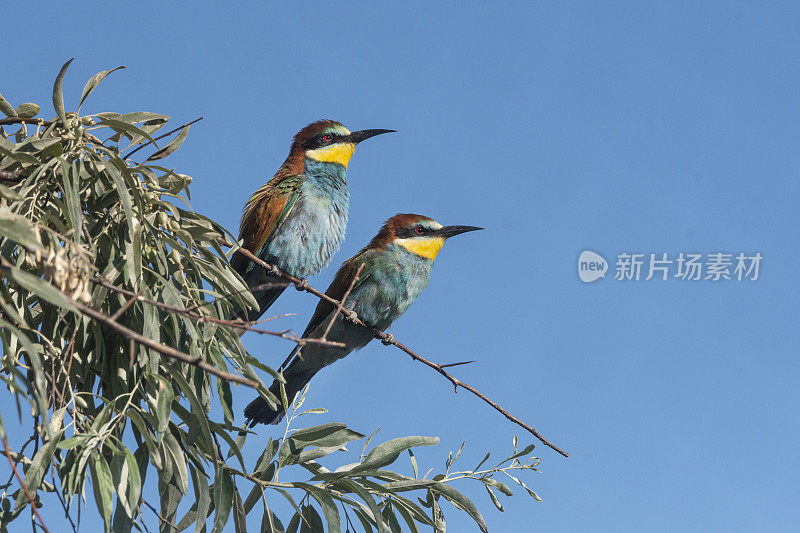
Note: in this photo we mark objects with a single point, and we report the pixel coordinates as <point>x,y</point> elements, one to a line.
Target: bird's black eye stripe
<point>416,231</point>
<point>319,140</point>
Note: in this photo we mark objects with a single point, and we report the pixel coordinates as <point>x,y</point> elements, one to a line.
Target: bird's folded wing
<point>264,213</point>
<point>338,288</point>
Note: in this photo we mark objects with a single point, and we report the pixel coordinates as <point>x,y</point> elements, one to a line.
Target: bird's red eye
<point>327,137</point>
<point>418,230</point>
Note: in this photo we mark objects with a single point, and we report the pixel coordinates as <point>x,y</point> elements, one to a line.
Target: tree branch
<point>388,338</point>
<point>141,339</point>
<point>11,175</point>
<point>23,120</point>
<point>22,483</point>
<point>202,318</point>
<point>161,348</point>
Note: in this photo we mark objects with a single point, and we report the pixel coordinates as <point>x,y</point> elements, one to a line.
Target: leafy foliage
<point>114,300</point>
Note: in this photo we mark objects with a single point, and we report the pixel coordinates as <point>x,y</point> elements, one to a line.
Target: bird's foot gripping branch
<point>118,348</point>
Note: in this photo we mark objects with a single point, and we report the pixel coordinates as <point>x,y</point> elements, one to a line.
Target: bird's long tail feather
<point>259,411</point>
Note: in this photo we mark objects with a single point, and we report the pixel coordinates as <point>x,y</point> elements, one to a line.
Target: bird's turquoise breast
<point>398,278</point>
<point>314,228</point>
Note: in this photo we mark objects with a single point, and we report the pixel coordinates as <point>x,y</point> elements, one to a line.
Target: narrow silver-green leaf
<point>163,409</point>
<point>223,499</point>
<point>270,522</point>
<point>409,519</point>
<point>58,93</point>
<point>70,178</point>
<point>93,82</point>
<point>19,229</point>
<point>494,499</point>
<point>134,481</point>
<point>172,146</point>
<point>6,107</point>
<point>9,193</point>
<point>327,505</point>
<point>239,516</point>
<point>120,126</point>
<point>103,486</point>
<point>39,287</point>
<point>462,502</point>
<point>528,449</point>
<point>386,453</point>
<point>499,485</point>
<point>68,444</point>
<point>27,110</point>
<point>40,463</point>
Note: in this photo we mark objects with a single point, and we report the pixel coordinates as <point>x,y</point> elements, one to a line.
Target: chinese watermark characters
<point>684,266</point>
<point>716,266</point>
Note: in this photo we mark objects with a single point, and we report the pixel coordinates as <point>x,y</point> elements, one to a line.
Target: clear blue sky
<point>559,127</point>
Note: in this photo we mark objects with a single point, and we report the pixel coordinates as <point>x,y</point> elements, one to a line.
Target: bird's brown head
<point>418,234</point>
<point>329,141</point>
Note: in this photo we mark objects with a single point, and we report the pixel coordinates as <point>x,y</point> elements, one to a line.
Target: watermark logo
<point>591,266</point>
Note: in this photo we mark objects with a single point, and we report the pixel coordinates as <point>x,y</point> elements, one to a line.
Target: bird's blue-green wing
<point>338,287</point>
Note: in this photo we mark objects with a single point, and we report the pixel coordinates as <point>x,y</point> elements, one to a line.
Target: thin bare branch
<point>448,365</point>
<point>130,302</point>
<point>162,136</point>
<point>161,518</point>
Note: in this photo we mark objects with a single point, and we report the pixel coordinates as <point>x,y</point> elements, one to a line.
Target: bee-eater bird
<point>396,269</point>
<point>297,220</point>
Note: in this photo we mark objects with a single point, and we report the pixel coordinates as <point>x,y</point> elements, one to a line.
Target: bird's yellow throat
<point>335,153</point>
<point>427,248</point>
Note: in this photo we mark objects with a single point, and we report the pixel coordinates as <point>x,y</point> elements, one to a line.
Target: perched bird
<point>297,220</point>
<point>396,269</point>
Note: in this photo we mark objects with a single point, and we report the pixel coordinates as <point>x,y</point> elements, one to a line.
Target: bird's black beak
<point>362,135</point>
<point>452,231</point>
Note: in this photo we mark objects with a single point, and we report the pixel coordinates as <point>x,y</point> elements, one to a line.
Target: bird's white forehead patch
<point>339,130</point>
<point>433,224</point>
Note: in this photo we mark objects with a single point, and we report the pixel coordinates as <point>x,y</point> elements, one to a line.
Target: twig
<point>162,136</point>
<point>23,120</point>
<point>61,499</point>
<point>42,122</point>
<point>70,349</point>
<point>167,522</point>
<point>8,175</point>
<point>229,295</point>
<point>22,483</point>
<point>458,383</point>
<point>344,299</point>
<point>388,338</point>
<point>125,307</point>
<point>448,365</point>
<point>141,518</point>
<point>132,354</point>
